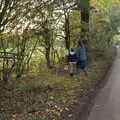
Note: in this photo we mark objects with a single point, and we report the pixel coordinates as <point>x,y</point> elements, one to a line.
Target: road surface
<point>107,103</point>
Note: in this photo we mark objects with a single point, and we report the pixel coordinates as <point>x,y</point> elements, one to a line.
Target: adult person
<point>85,43</point>
<point>81,53</point>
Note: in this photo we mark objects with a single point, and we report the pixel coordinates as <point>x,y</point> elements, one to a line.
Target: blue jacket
<point>81,52</point>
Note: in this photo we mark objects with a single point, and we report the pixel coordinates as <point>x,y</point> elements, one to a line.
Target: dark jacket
<point>72,57</point>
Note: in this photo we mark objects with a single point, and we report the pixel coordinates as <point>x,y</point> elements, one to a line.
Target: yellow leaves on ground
<point>56,111</point>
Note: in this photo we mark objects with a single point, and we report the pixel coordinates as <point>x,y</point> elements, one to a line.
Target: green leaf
<point>39,118</point>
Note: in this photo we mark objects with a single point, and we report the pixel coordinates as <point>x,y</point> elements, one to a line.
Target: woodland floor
<point>46,95</point>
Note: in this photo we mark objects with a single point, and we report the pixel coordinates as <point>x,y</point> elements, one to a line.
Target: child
<point>72,58</point>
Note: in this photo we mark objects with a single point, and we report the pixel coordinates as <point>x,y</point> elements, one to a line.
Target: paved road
<point>107,104</point>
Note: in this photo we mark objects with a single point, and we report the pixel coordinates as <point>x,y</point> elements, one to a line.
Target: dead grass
<point>43,95</point>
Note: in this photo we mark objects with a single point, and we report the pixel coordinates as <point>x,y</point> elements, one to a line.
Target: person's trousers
<point>72,67</point>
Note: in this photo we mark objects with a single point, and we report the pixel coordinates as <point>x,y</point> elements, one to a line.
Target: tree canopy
<point>48,27</point>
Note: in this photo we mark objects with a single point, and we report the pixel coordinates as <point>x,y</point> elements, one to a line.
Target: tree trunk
<point>67,32</point>
<point>85,13</point>
<point>85,19</point>
<point>47,55</point>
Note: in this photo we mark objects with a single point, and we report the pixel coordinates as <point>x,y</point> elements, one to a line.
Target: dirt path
<point>107,103</point>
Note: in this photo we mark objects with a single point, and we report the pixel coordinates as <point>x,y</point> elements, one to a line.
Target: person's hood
<point>72,53</point>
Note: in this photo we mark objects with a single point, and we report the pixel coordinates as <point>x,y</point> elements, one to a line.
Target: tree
<point>6,8</point>
<point>106,20</point>
<point>84,6</point>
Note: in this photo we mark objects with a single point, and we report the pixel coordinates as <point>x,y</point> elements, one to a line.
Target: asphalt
<point>107,102</point>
